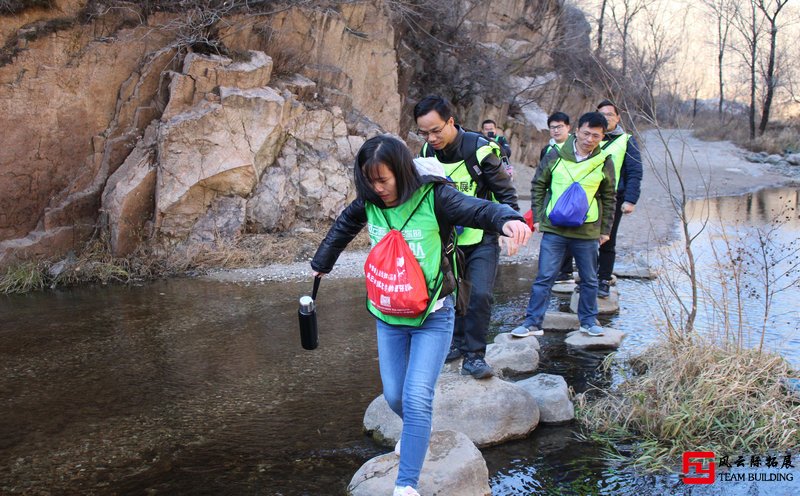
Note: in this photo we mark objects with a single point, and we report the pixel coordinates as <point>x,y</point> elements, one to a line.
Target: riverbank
<point>708,169</point>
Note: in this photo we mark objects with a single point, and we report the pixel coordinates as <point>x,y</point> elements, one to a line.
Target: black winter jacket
<point>452,208</point>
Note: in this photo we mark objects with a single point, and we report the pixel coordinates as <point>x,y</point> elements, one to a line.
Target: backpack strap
<point>470,143</point>
<point>412,212</point>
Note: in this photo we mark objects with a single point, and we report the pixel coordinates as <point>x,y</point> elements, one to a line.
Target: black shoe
<point>564,279</point>
<point>453,354</point>
<point>603,289</point>
<point>476,366</point>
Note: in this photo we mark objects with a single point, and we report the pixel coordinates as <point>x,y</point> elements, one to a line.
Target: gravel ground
<point>707,169</point>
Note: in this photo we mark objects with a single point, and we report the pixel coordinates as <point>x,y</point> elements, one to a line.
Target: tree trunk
<point>600,27</point>
<point>770,79</point>
<point>753,66</point>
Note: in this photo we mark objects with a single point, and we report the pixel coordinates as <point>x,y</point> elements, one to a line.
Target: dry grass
<point>779,137</point>
<point>698,395</point>
<point>95,264</point>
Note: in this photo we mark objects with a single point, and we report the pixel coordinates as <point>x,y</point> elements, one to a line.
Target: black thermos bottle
<point>309,337</point>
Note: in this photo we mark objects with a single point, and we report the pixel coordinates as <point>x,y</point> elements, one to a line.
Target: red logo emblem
<point>693,460</point>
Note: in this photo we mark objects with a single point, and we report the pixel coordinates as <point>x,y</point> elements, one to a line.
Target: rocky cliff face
<point>117,125</point>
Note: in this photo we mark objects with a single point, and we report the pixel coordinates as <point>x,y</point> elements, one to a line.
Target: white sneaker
<point>525,331</point>
<point>594,331</point>
<point>405,491</point>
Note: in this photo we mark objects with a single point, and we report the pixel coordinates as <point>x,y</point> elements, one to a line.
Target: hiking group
<point>437,224</point>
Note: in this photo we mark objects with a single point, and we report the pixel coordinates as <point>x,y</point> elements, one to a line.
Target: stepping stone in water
<point>611,339</point>
<point>631,271</point>
<point>552,395</point>
<point>506,337</point>
<point>560,321</point>
<point>489,411</point>
<point>509,358</point>
<point>453,465</point>
<point>605,306</point>
<point>567,287</point>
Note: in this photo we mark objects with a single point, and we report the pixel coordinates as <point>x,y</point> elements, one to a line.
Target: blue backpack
<point>572,206</point>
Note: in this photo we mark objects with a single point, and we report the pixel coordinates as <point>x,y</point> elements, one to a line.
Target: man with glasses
<point>558,124</point>
<point>624,150</point>
<point>577,166</point>
<point>473,164</point>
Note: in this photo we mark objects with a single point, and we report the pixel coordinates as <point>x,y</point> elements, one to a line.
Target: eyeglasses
<point>557,128</point>
<point>438,131</point>
<point>593,136</point>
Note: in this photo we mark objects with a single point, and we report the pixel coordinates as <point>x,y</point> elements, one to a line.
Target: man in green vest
<point>558,125</point>
<point>577,170</point>
<point>473,164</point>
<point>628,170</point>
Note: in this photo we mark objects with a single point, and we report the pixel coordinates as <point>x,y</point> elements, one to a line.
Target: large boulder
<point>489,411</point>
<point>453,466</point>
<point>241,135</point>
<point>552,395</point>
<point>129,196</point>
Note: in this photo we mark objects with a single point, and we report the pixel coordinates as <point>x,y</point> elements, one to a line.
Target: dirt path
<point>706,168</point>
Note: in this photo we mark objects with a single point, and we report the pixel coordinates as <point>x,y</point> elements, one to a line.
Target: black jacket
<point>452,208</point>
<point>493,178</point>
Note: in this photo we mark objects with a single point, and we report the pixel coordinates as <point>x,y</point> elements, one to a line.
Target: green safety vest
<point>422,235</point>
<point>565,172</point>
<point>458,173</point>
<point>617,149</point>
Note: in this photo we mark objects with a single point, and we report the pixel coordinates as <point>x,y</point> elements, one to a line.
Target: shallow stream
<point>195,387</point>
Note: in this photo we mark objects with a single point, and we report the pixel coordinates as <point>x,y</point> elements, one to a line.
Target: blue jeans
<point>551,256</point>
<point>481,261</point>
<point>410,360</point>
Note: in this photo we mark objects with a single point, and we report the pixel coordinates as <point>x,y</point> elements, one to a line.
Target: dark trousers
<point>608,250</point>
<point>469,334</point>
<point>566,265</point>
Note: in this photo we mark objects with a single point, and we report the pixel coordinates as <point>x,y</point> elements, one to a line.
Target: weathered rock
<point>564,288</point>
<point>773,159</point>
<point>207,73</point>
<point>793,158</point>
<point>224,220</point>
<point>552,395</point>
<point>288,193</point>
<point>560,321</point>
<point>129,196</point>
<point>489,411</point>
<point>241,136</point>
<point>755,158</point>
<point>509,358</point>
<point>68,95</point>
<point>506,337</point>
<point>453,465</point>
<point>303,88</point>
<point>605,306</point>
<point>338,45</point>
<point>611,338</point>
<point>632,271</point>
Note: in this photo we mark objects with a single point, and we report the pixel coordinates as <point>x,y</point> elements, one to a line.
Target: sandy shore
<point>707,169</point>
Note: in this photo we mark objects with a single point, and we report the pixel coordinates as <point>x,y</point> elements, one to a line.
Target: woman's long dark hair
<point>393,154</point>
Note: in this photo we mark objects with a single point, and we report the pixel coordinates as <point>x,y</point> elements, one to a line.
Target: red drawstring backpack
<point>395,282</point>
